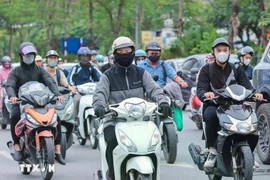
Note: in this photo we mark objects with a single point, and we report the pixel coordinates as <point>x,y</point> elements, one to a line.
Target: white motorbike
<point>6,108</point>
<point>86,115</point>
<point>137,155</point>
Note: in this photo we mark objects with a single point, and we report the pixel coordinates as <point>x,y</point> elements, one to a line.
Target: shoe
<point>211,160</point>
<point>17,156</point>
<point>59,158</point>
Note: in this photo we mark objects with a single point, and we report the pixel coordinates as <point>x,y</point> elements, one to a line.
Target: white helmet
<point>122,42</point>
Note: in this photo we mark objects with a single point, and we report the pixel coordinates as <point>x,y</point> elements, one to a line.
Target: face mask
<point>60,66</point>
<point>124,60</point>
<point>111,61</point>
<point>153,58</point>
<point>222,57</point>
<point>100,63</point>
<point>84,59</point>
<point>52,64</point>
<point>7,65</point>
<point>246,62</point>
<point>28,59</point>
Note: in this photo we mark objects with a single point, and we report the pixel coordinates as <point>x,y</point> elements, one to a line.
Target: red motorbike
<point>195,108</point>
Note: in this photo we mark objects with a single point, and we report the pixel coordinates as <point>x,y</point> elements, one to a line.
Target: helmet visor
<point>28,49</point>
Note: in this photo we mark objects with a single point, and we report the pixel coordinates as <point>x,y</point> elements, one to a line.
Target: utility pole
<point>137,26</point>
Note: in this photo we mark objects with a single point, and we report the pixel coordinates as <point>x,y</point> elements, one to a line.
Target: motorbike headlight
<point>254,127</point>
<point>154,141</point>
<point>243,126</point>
<point>31,119</point>
<point>127,142</point>
<point>69,112</point>
<point>136,110</point>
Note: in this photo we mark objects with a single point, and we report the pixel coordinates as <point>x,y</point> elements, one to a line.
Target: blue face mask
<point>52,64</point>
<point>28,59</point>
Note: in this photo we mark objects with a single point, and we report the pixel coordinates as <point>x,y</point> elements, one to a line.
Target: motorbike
<point>37,129</point>
<point>195,104</point>
<point>237,137</point>
<point>65,111</point>
<point>6,108</point>
<point>137,155</point>
<point>86,129</point>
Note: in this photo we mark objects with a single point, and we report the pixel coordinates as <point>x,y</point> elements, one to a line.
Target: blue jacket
<point>158,70</point>
<point>85,74</point>
<point>248,70</point>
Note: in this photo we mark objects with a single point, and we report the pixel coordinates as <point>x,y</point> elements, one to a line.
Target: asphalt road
<point>83,162</point>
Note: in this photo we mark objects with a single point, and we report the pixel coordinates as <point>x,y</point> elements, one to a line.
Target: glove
<point>165,109</point>
<point>99,111</point>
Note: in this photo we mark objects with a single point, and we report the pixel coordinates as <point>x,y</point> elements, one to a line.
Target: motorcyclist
<point>206,86</point>
<point>155,66</point>
<point>28,71</point>
<point>245,55</point>
<point>100,60</point>
<point>58,75</point>
<point>60,66</point>
<point>93,57</point>
<point>110,62</point>
<point>38,61</point>
<point>82,73</point>
<point>209,59</point>
<point>140,55</point>
<point>122,81</point>
<point>4,72</point>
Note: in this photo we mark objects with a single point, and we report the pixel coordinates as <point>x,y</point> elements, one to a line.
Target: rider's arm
<point>172,74</point>
<point>11,84</point>
<point>102,92</point>
<point>153,90</point>
<point>49,81</point>
<point>63,79</point>
<point>242,79</point>
<point>70,74</point>
<point>97,74</point>
<point>203,85</point>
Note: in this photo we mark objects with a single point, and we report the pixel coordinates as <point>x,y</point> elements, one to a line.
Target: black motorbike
<point>237,136</point>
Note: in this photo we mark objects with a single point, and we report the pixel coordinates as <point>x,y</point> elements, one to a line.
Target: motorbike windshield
<point>236,92</point>
<point>35,93</point>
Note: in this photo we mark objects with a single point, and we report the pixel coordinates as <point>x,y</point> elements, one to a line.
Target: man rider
<point>60,66</point>
<point>93,57</point>
<point>58,75</point>
<point>245,55</point>
<point>122,81</point>
<point>155,66</point>
<point>207,84</point>
<point>28,71</point>
<point>110,62</point>
<point>38,61</point>
<point>100,60</point>
<point>82,73</point>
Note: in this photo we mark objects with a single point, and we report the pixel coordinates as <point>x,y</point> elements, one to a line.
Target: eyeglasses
<point>124,51</point>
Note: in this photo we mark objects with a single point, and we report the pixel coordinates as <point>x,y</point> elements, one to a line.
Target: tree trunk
<point>180,17</point>
<point>91,29</point>
<point>234,23</point>
<point>263,38</point>
<point>10,40</point>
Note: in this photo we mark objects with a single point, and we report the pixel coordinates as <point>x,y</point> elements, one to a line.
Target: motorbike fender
<point>142,164</point>
<point>44,133</point>
<point>162,123</point>
<point>89,111</point>
<point>63,129</point>
<point>238,145</point>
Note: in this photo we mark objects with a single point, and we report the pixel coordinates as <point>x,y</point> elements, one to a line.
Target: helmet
<point>27,48</point>
<point>60,60</point>
<point>84,51</point>
<point>122,42</point>
<point>38,58</point>
<point>52,53</point>
<point>6,59</point>
<point>220,41</point>
<point>245,50</point>
<point>140,52</point>
<point>110,53</point>
<point>152,46</point>
<point>99,58</point>
<point>94,52</point>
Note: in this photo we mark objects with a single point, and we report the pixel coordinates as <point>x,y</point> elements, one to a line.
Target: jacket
<point>118,84</point>
<point>25,73</point>
<point>105,67</point>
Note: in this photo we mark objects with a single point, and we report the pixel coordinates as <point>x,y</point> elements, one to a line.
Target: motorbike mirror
<point>194,70</point>
<point>155,77</point>
<point>74,77</point>
<point>3,84</point>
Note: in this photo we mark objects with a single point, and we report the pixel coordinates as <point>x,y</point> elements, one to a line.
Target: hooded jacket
<point>25,73</point>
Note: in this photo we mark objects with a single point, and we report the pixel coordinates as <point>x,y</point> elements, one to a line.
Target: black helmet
<point>153,46</point>
<point>52,53</point>
<point>94,52</point>
<point>27,48</point>
<point>220,41</point>
<point>109,53</point>
<point>245,50</point>
<point>84,51</point>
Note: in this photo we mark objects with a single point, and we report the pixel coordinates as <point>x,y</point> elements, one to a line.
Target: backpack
<point>164,72</point>
<point>58,76</point>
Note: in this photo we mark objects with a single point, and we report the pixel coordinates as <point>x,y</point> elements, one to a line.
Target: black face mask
<point>153,58</point>
<point>124,60</point>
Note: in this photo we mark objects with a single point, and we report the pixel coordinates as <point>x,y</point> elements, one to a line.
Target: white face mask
<point>60,66</point>
<point>222,57</point>
<point>112,61</point>
<point>246,62</point>
<point>28,59</point>
<point>100,64</point>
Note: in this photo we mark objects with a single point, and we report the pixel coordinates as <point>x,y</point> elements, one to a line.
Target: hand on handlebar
<point>73,89</point>
<point>13,100</point>
<point>258,96</point>
<point>209,95</point>
<point>184,84</point>
<point>61,98</point>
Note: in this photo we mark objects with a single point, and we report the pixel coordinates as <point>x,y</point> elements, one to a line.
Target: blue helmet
<point>84,51</point>
<point>99,57</point>
<point>139,53</point>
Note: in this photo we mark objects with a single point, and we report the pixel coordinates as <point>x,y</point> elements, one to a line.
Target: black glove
<point>165,109</point>
<point>99,111</point>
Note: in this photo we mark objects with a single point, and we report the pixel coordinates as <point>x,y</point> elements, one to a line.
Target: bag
<point>178,117</point>
<point>20,127</point>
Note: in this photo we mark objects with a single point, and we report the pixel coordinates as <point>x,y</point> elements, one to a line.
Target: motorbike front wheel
<point>92,135</point>
<point>169,143</point>
<point>214,177</point>
<point>64,145</point>
<point>46,157</point>
<point>244,162</point>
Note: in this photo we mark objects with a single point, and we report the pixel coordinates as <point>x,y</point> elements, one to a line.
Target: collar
<point>146,62</point>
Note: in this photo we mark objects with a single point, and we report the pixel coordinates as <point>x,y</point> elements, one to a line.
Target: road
<point>82,162</point>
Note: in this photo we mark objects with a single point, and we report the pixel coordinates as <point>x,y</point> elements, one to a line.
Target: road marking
<point>177,164</point>
<point>6,154</point>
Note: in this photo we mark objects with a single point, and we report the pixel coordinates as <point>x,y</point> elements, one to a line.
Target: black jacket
<point>219,78</point>
<point>105,67</point>
<point>25,73</point>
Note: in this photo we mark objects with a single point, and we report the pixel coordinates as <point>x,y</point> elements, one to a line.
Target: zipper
<point>127,82</point>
